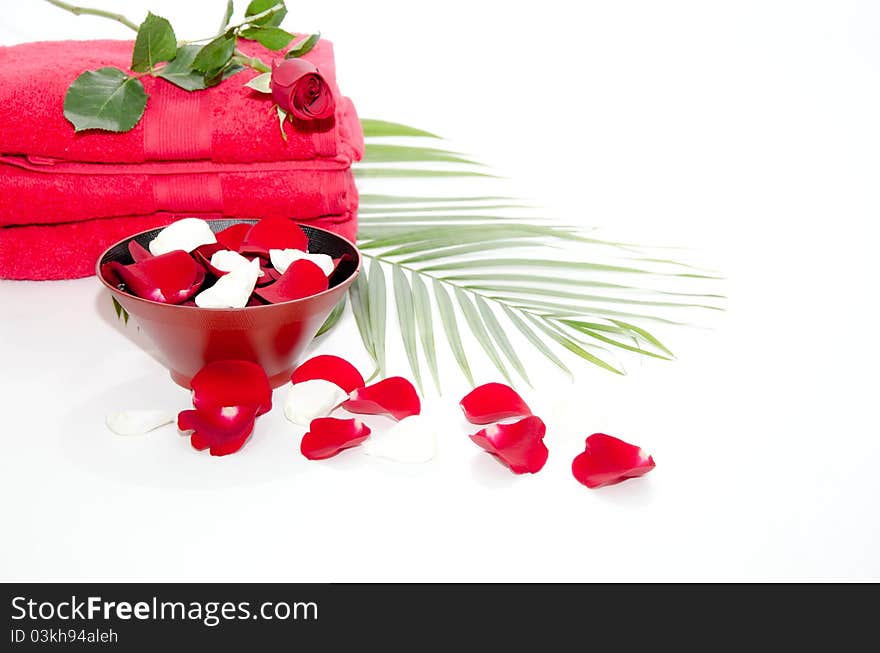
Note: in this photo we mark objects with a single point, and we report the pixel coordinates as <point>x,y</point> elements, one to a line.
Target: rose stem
<point>86,11</point>
<point>119,18</point>
<point>252,62</point>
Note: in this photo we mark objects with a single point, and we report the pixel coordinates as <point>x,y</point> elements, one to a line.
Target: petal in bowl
<point>138,252</point>
<point>168,278</point>
<point>185,234</point>
<point>273,233</point>
<point>203,255</point>
<point>282,258</point>
<point>302,279</point>
<point>233,289</point>
<point>232,237</point>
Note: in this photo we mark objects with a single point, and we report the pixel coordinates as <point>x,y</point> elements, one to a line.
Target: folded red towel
<point>228,122</point>
<point>44,193</point>
<point>69,251</point>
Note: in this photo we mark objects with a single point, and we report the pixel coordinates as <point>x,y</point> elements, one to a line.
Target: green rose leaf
<point>180,72</point>
<point>261,83</point>
<point>259,6</point>
<point>155,42</point>
<point>303,46</point>
<point>106,99</point>
<point>273,38</point>
<point>216,54</point>
<point>214,77</point>
<point>282,116</point>
<point>226,16</point>
<point>230,70</point>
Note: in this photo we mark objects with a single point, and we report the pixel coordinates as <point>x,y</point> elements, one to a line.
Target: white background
<point>746,131</point>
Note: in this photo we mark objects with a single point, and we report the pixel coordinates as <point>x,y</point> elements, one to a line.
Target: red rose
<point>299,89</point>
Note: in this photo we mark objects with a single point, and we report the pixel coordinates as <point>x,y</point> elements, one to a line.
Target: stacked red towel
<point>210,153</point>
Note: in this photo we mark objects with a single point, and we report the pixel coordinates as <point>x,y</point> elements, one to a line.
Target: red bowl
<point>274,335</point>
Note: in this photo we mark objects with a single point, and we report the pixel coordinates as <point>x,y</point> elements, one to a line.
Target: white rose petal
<point>232,290</point>
<point>412,440</point>
<point>283,258</point>
<point>311,399</point>
<point>226,260</point>
<point>138,422</point>
<point>186,234</point>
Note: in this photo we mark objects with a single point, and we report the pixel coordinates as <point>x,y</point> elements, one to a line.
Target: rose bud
<point>299,89</point>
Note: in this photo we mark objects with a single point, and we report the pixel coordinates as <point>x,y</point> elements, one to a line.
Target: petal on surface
<point>520,445</point>
<point>327,436</point>
<point>311,399</point>
<point>394,396</point>
<point>492,402</point>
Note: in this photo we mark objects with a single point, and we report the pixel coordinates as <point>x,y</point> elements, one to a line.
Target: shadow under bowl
<point>273,335</point>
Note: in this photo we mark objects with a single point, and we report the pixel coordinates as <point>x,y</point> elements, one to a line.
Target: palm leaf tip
<point>534,339</point>
<point>450,326</point>
<point>403,297</point>
<point>475,323</point>
<point>500,337</point>
<point>360,307</point>
<point>424,320</point>
<point>377,312</point>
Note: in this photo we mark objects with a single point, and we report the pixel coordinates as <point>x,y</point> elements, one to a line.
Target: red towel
<point>68,192</point>
<point>69,251</point>
<point>240,125</point>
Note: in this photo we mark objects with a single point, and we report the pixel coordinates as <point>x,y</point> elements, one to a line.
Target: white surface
<point>747,131</point>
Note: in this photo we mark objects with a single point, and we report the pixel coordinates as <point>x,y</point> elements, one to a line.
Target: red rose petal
<point>520,445</point>
<point>231,383</point>
<point>269,275</point>
<point>492,402</point>
<point>395,396</point>
<point>338,260</point>
<point>232,237</point>
<point>328,436</point>
<point>223,430</point>
<point>329,368</point>
<point>108,272</point>
<point>138,252</point>
<point>203,254</point>
<point>274,274</point>
<point>607,460</point>
<point>169,278</point>
<point>273,233</point>
<point>302,279</point>
<point>336,263</point>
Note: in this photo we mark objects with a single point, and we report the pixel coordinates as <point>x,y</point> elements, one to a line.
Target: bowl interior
<point>320,242</point>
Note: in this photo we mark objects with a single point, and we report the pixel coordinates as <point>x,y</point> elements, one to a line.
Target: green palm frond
<point>491,267</point>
